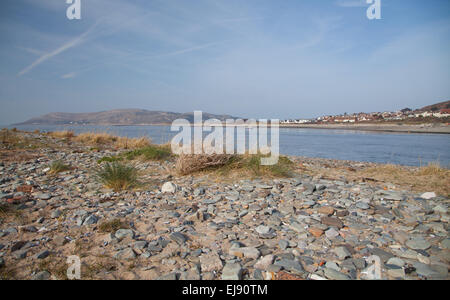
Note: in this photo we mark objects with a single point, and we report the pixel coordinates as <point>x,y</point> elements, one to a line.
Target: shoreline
<point>429,128</point>
<point>299,156</point>
<point>422,128</point>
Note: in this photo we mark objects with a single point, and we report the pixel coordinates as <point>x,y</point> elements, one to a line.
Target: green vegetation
<point>118,176</point>
<point>252,164</point>
<point>58,166</point>
<point>151,152</point>
<point>224,164</point>
<point>109,159</point>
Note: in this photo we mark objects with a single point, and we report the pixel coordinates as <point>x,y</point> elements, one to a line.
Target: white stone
<point>264,262</point>
<point>168,187</point>
<point>261,229</point>
<point>428,195</point>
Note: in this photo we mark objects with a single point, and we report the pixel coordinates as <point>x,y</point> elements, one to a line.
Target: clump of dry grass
<point>191,163</point>
<point>7,273</point>
<point>433,169</point>
<point>55,266</point>
<point>12,139</point>
<point>224,164</point>
<point>432,177</point>
<point>65,134</point>
<point>103,138</point>
<point>6,135</point>
<point>9,211</point>
<point>132,143</point>
<point>93,138</point>
<point>112,226</point>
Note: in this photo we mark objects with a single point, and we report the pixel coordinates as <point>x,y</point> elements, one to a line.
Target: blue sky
<point>249,58</point>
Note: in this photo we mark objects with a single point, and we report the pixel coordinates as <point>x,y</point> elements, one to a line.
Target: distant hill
<point>436,107</point>
<point>118,117</point>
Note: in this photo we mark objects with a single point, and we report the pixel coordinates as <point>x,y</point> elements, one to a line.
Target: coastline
<point>403,128</point>
<point>430,128</point>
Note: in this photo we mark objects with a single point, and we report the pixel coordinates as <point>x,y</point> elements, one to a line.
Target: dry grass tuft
<point>93,138</point>
<point>191,163</point>
<point>10,212</point>
<point>66,134</point>
<point>7,273</point>
<point>224,164</point>
<point>112,226</point>
<point>433,169</point>
<point>428,178</point>
<point>103,138</point>
<point>55,266</point>
<point>10,139</point>
<point>132,143</point>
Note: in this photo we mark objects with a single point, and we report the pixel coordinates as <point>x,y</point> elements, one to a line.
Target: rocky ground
<point>193,227</point>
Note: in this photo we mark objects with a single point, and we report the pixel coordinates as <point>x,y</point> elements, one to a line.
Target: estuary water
<point>396,148</point>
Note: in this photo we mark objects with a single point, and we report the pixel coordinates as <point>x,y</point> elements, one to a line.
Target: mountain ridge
<point>118,117</point>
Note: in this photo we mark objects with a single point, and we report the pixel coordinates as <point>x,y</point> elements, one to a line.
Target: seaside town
<point>437,115</point>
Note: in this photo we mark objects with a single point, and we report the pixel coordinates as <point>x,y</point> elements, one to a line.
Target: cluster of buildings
<point>372,117</point>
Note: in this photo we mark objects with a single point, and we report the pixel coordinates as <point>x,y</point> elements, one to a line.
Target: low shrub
<point>109,159</point>
<point>150,152</point>
<point>225,163</point>
<point>117,176</point>
<point>58,166</point>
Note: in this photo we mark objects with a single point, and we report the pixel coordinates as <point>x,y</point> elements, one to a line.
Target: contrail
<point>61,49</point>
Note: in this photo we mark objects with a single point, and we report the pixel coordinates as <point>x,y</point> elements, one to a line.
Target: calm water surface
<point>396,148</point>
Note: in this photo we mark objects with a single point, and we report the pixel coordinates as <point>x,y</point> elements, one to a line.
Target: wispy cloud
<point>190,49</point>
<point>324,27</point>
<point>75,42</point>
<point>69,75</point>
<point>238,20</point>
